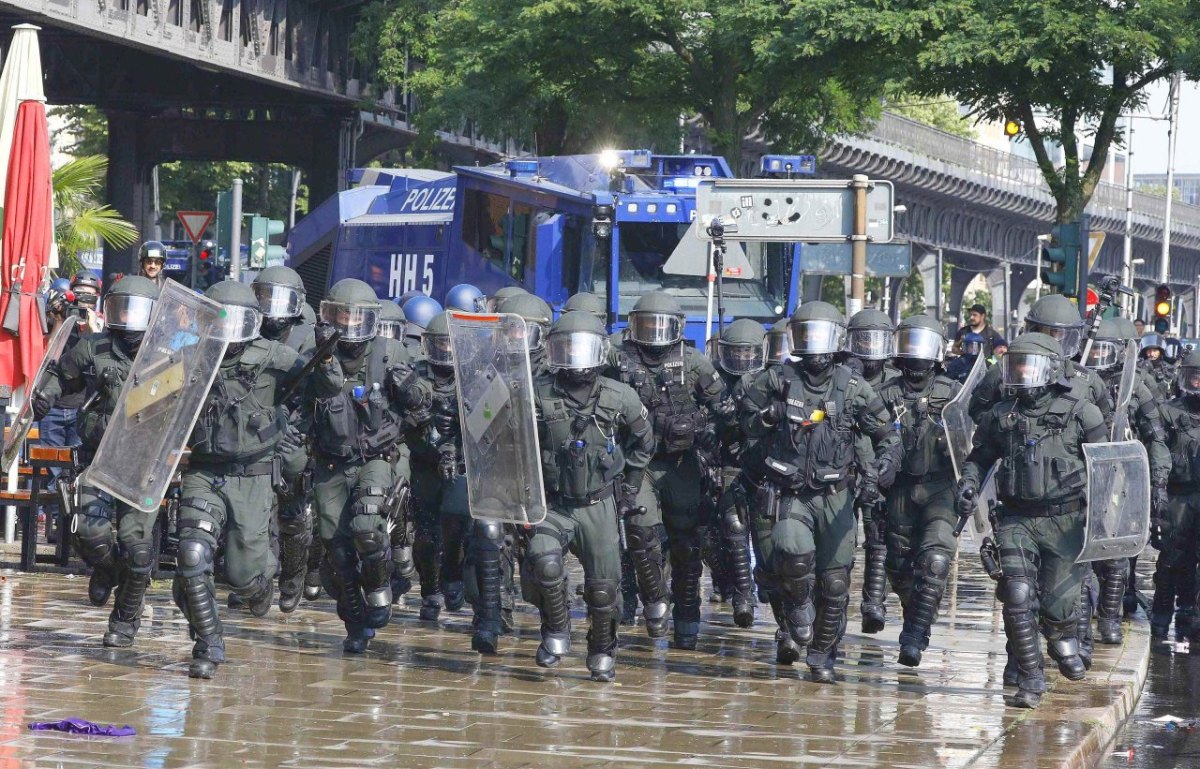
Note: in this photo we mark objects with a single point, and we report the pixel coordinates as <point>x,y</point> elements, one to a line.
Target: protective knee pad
<point>343,561</point>
<point>297,524</point>
<point>795,574</point>
<point>490,531</point>
<point>94,538</point>
<point>832,601</point>
<point>140,558</point>
<point>548,568</point>
<point>195,558</point>
<point>603,599</point>
<point>645,555</point>
<point>732,524</point>
<point>835,584</point>
<point>1016,594</point>
<point>371,545</point>
<point>933,565</point>
<point>551,582</point>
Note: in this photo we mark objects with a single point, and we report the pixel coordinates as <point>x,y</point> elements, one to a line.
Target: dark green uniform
<point>920,504</point>
<point>1040,484</point>
<point>1177,525</point>
<point>1085,384</point>
<point>804,525</point>
<point>680,388</point>
<point>592,440</point>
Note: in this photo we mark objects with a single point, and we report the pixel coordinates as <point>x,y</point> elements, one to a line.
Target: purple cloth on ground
<point>80,726</point>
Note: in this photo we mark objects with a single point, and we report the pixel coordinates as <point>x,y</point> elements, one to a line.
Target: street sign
<point>1095,243</point>
<point>884,260</point>
<point>797,211</point>
<point>195,223</point>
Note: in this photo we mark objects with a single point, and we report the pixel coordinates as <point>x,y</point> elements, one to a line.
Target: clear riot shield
<point>980,526</point>
<point>1118,500</point>
<point>1120,426</point>
<point>161,400</point>
<point>15,437</point>
<point>498,418</point>
<point>957,422</point>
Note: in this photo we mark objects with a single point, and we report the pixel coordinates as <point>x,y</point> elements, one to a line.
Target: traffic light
<point>1012,128</point>
<point>1162,309</point>
<point>206,251</point>
<point>1062,259</point>
<point>262,253</point>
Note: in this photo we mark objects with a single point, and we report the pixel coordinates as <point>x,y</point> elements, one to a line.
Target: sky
<point>1150,136</point>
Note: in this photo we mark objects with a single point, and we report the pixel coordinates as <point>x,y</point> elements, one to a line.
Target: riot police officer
<point>1055,316</point>
<point>418,311</point>
<point>1106,357</point>
<point>681,390</point>
<point>491,302</point>
<point>280,294</point>
<point>739,355</point>
<point>1174,528</point>
<point>365,396</point>
<point>1153,361</point>
<point>920,501</point>
<point>596,441</point>
<point>228,483</point>
<point>392,321</point>
<point>779,343</point>
<point>813,420</point>
<point>1037,433</point>
<point>98,364</point>
<point>586,301</point>
<point>869,346</point>
<point>464,297</point>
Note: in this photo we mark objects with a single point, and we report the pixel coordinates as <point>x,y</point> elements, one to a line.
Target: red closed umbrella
<point>27,239</point>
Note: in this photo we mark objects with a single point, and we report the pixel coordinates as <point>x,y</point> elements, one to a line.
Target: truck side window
<point>483,227</point>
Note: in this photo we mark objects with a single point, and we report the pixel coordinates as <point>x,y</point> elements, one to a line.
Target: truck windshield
<point>645,247</point>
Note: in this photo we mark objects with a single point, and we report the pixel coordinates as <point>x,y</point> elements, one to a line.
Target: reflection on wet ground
<point>420,697</point>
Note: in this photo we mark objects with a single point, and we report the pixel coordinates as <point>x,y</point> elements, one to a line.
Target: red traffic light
<point>204,254</point>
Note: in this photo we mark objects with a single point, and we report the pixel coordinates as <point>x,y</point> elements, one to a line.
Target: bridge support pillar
<point>1020,281</point>
<point>926,264</point>
<point>129,185</point>
<point>960,278</point>
<point>325,172</point>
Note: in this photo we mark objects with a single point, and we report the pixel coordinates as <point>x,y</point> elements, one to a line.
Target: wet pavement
<point>420,697</point>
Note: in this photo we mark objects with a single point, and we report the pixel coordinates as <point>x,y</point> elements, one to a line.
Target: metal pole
<point>941,300</point>
<point>1164,266</point>
<point>292,202</point>
<point>887,295</point>
<point>1037,286</point>
<point>1127,258</point>
<point>1196,308</point>
<point>1007,296</point>
<point>235,232</point>
<point>858,245</point>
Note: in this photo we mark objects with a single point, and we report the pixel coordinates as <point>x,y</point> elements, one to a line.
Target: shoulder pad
<point>258,352</point>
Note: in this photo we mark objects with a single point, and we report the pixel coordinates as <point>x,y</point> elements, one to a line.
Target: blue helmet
<point>464,297</point>
<point>403,298</point>
<point>419,310</point>
<point>61,285</point>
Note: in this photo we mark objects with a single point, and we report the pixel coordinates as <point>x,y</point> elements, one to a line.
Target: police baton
<point>320,354</point>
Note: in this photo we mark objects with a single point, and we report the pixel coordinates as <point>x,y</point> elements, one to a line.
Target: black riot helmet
<point>240,314</point>
<point>1033,361</point>
<point>817,331</point>
<point>869,335</point>
<point>741,349</point>
<point>779,343</point>
<point>577,348</point>
<point>536,314</point>
<point>1189,373</point>
<point>392,321</point>
<point>586,301</point>
<point>352,307</point>
<point>656,320</point>
<point>1108,348</point>
<point>128,306</point>
<point>1055,315</point>
<point>920,346</point>
<point>435,341</point>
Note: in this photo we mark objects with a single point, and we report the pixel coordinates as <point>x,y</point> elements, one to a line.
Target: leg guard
<point>687,569</point>
<point>604,605</point>
<point>1113,577</point>
<point>342,571</point>
<point>796,578</point>
<point>1064,648</point>
<point>1017,596</point>
<point>1083,618</point>
<point>833,599</point>
<point>295,537</point>
<point>629,590</point>
<point>454,536</point>
<point>375,575</point>
<point>487,544</point>
<point>874,591</point>
<point>126,615</point>
<point>551,583</point>
<point>403,569</point>
<point>96,543</point>
<point>787,651</point>
<point>735,538</point>
<point>197,600</point>
<point>645,553</point>
<point>312,579</point>
<point>1163,606</point>
<point>931,570</point>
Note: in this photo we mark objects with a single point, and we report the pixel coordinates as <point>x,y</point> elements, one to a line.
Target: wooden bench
<point>41,460</point>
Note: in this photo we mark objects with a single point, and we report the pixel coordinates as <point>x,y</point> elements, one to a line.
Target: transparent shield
<point>1120,426</point>
<point>498,417</point>
<point>14,437</point>
<point>957,422</point>
<point>161,400</point>
<point>1118,500</point>
<point>980,526</point>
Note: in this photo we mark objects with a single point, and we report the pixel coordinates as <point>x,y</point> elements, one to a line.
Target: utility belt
<point>354,458</point>
<point>268,466</point>
<point>766,498</point>
<point>1019,509</point>
<point>594,498</point>
<point>937,476</point>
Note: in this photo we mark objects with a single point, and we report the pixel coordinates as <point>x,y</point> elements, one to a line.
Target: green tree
<point>940,112</point>
<point>1065,69</point>
<point>82,223</point>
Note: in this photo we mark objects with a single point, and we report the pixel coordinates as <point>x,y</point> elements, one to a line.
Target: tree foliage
<point>940,112</point>
<point>82,223</point>
<point>569,76</point>
<point>1066,69</point>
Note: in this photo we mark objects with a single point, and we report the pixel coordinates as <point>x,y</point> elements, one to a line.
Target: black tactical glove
<point>110,381</point>
<point>1157,530</point>
<point>1158,500</point>
<point>323,332</point>
<point>773,414</point>
<point>627,502</point>
<point>707,441</point>
<point>402,382</point>
<point>885,470</point>
<point>41,405</point>
<point>868,490</point>
<point>964,499</point>
<point>293,440</point>
<point>447,461</point>
<point>446,423</point>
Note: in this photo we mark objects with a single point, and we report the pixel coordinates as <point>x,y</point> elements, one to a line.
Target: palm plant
<point>82,223</point>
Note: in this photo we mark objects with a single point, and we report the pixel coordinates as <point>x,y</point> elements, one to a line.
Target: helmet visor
<point>871,344</point>
<point>1189,379</point>
<point>741,359</point>
<point>922,343</point>
<point>358,323</point>
<point>576,351</point>
<point>778,347</point>
<point>239,324</point>
<point>1070,338</point>
<point>278,301</point>
<point>1022,370</point>
<point>392,329</point>
<point>655,328</point>
<point>815,337</point>
<point>534,335</point>
<point>131,313</point>
<point>1104,355</point>
<point>972,347</point>
<point>437,348</point>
